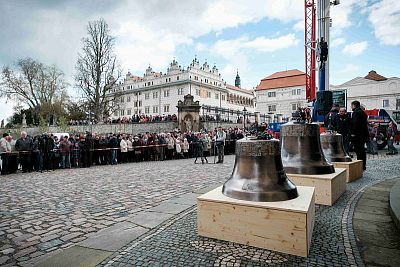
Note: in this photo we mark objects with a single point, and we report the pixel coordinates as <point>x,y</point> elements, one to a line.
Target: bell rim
<point>341,159</point>
<point>273,196</point>
<point>310,170</point>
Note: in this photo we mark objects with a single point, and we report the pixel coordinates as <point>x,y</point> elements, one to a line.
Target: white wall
<point>192,80</point>
<point>372,94</point>
<point>283,100</point>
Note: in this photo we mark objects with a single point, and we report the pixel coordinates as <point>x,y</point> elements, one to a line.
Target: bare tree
<point>32,83</point>
<point>98,70</point>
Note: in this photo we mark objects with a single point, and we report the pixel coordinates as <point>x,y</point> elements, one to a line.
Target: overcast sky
<point>258,37</point>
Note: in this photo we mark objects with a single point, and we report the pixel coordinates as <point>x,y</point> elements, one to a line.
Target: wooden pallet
<point>284,226</point>
<point>354,169</point>
<point>328,187</point>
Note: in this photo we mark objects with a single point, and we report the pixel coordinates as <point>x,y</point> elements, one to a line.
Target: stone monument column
<point>188,114</point>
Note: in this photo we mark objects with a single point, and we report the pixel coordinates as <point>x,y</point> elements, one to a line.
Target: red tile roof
<point>282,79</point>
<point>372,75</point>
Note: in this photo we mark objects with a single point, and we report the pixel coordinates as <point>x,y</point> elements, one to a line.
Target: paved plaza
<point>144,214</point>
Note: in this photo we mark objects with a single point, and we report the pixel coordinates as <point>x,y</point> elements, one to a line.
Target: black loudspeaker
<point>324,102</point>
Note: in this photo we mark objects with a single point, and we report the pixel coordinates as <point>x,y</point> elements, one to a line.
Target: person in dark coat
<point>46,146</point>
<point>89,149</point>
<point>343,127</point>
<point>359,131</point>
<point>391,135</point>
<point>113,145</point>
<point>36,154</point>
<point>24,147</point>
<point>331,118</point>
<point>102,152</point>
<point>83,148</point>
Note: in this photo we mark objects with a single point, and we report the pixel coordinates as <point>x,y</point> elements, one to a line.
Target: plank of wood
<point>299,204</point>
<point>266,226</point>
<point>354,169</point>
<point>328,187</point>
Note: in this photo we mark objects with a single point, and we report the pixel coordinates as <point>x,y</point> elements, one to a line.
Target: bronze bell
<point>332,145</point>
<point>301,149</point>
<point>258,174</point>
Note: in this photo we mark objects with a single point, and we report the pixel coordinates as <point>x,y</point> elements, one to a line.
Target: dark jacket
<point>331,120</point>
<point>359,125</point>
<point>343,124</point>
<point>113,142</point>
<point>24,145</point>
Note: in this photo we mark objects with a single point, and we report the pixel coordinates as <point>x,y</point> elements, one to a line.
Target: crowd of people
<point>156,118</point>
<point>48,152</point>
<point>358,132</point>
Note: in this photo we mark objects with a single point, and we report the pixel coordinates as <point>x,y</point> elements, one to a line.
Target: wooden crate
<point>354,169</point>
<point>328,187</point>
<point>284,226</point>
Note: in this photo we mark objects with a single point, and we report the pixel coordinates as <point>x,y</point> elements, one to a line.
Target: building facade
<point>373,91</point>
<point>281,93</point>
<point>157,93</point>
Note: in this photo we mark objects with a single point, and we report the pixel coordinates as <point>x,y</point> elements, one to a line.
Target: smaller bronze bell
<point>301,149</point>
<point>332,146</point>
<point>258,174</point>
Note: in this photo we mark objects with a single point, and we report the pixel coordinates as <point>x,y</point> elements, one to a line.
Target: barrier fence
<point>39,160</point>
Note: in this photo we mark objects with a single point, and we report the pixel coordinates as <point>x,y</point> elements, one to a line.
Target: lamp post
<point>244,118</point>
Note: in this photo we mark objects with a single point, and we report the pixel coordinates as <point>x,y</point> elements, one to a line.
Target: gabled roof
<point>371,78</point>
<point>283,79</point>
<point>372,75</point>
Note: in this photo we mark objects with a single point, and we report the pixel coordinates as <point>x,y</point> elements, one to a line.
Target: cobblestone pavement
<point>44,212</point>
<point>49,212</point>
<point>333,244</point>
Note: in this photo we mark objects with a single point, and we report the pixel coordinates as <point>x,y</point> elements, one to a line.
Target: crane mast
<point>310,44</point>
<point>316,49</point>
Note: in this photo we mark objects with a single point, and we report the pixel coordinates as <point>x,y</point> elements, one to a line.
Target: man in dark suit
<point>359,131</point>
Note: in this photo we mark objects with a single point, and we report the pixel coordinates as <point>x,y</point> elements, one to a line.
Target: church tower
<point>237,80</point>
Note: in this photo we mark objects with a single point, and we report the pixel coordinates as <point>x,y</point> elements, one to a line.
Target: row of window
<point>272,108</point>
<point>166,108</point>
<point>294,92</point>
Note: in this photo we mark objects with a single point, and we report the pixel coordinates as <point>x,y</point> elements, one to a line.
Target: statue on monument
<point>2,123</point>
<point>23,120</point>
<point>188,125</point>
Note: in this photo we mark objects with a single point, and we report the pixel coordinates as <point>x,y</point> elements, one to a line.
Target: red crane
<point>309,47</point>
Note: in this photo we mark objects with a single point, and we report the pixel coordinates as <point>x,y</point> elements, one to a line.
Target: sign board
<point>340,97</point>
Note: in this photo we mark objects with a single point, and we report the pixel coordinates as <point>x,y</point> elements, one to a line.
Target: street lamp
<point>244,118</point>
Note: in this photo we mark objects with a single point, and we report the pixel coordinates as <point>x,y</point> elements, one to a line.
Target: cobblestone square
<point>43,214</point>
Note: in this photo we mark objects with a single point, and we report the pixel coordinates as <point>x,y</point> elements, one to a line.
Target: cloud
<point>341,14</point>
<point>232,47</point>
<point>337,42</point>
<point>355,49</point>
<point>238,51</point>
<point>385,19</point>
<point>6,109</point>
<point>40,28</point>
<point>299,26</point>
<point>350,68</point>
<point>200,47</point>
<point>345,73</point>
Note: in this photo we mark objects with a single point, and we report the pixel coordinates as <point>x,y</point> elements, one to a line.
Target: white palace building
<point>157,93</point>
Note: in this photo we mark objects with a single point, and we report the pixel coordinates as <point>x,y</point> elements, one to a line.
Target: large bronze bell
<point>301,149</point>
<point>258,174</point>
<point>332,145</point>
